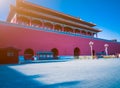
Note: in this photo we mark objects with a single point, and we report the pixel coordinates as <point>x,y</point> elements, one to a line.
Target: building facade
<point>32,28</point>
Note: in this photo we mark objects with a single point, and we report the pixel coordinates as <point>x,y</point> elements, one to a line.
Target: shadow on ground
<point>71,84</point>
<point>10,78</point>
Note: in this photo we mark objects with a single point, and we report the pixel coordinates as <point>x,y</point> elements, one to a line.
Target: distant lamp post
<point>91,47</point>
<point>106,49</point>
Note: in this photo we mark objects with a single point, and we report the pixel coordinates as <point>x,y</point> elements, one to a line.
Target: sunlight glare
<point>5,3</point>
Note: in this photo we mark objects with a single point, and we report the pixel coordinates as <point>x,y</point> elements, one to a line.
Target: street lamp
<point>106,49</point>
<point>91,47</point>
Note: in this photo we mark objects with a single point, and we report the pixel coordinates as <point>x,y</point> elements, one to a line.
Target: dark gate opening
<point>28,54</point>
<point>76,53</point>
<point>93,52</point>
<point>55,53</point>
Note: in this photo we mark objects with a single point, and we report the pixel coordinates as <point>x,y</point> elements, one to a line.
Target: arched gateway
<point>76,52</point>
<point>55,53</point>
<point>28,54</point>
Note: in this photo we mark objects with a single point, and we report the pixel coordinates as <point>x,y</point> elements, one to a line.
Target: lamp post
<point>106,49</point>
<point>91,47</point>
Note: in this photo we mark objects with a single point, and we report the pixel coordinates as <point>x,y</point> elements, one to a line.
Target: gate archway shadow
<point>76,53</point>
<point>28,54</point>
<point>55,53</point>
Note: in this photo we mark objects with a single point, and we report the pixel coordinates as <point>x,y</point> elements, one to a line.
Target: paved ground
<point>102,73</point>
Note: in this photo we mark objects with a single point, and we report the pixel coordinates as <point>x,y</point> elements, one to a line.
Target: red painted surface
<point>23,38</point>
<point>9,55</point>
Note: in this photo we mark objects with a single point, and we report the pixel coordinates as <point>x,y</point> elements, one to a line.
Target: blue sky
<point>104,13</point>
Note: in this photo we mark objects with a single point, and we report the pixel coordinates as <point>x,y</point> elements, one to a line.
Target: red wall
<point>23,38</point>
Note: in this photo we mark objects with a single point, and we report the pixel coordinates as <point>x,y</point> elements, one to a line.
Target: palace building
<point>34,29</point>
